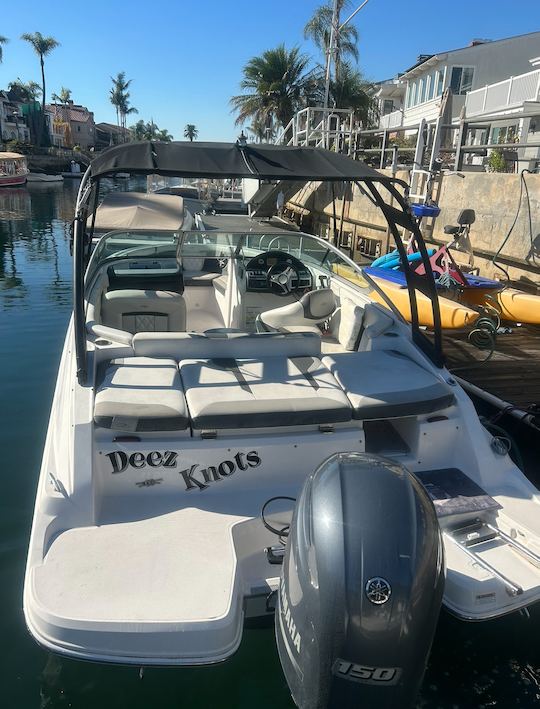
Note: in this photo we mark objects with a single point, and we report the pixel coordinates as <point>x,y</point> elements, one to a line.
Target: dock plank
<point>512,372</point>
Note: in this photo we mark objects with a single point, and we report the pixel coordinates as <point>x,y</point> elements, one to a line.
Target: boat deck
<point>512,373</point>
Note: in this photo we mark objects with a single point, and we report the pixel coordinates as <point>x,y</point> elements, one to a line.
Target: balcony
<point>391,120</point>
<point>504,95</point>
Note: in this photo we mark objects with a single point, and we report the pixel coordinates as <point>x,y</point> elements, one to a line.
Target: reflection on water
<point>494,664</point>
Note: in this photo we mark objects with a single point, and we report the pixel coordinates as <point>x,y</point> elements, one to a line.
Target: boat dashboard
<point>277,272</point>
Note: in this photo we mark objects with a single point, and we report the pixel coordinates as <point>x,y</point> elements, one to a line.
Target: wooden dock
<point>512,373</point>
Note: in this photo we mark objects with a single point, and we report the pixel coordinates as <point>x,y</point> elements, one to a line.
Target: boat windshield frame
<point>264,163</point>
<point>239,247</point>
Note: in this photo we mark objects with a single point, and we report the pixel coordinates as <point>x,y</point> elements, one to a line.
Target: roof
<point>11,156</point>
<point>111,128</point>
<point>72,112</point>
<point>222,160</point>
<point>431,59</point>
<point>139,211</point>
<point>242,224</point>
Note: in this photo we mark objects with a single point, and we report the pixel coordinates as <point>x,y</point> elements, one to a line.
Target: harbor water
<point>495,664</point>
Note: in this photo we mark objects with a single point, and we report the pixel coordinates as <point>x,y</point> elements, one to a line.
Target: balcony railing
<point>507,94</point>
<point>391,120</point>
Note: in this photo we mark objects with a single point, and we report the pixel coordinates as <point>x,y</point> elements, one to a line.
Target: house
<point>108,134</point>
<point>417,93</point>
<point>13,124</point>
<point>71,125</point>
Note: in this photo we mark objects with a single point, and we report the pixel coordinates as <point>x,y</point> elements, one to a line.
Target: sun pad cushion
<point>386,384</point>
<point>141,394</point>
<point>268,391</point>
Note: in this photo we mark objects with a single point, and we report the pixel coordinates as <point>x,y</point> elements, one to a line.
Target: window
<point>461,79</point>
<point>506,134</point>
<point>432,78</point>
<point>413,94</point>
<point>440,82</point>
<point>78,129</point>
<point>388,106</point>
<point>421,87</point>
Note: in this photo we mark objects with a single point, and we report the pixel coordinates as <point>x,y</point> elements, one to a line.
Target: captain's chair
<point>312,309</point>
<point>144,311</point>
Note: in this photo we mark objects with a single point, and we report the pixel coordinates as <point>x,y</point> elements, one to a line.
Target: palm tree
<point>164,136</point>
<point>25,92</point>
<point>64,96</point>
<point>3,40</point>
<point>319,28</point>
<point>42,47</point>
<point>260,131</point>
<point>149,131</point>
<point>350,90</point>
<point>275,83</point>
<point>119,97</point>
<point>138,130</point>
<point>191,132</point>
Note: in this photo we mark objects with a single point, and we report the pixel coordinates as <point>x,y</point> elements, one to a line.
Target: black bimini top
<point>231,160</point>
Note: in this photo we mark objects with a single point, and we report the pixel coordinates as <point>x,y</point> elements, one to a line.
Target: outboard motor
<point>361,586</point>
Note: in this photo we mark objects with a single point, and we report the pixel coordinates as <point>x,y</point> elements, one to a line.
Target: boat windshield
<point>242,246</point>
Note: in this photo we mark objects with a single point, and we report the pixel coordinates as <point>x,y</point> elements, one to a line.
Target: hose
<point>522,187</point>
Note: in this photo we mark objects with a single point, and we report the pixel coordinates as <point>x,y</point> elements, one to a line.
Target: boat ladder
<point>478,534</point>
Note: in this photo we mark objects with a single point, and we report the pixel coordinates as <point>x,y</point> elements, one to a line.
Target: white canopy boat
<point>230,398</point>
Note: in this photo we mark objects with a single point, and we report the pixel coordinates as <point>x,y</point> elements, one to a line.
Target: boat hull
<point>12,180</point>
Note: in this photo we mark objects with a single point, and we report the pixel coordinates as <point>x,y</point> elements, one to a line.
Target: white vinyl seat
<point>141,394</point>
<point>304,315</point>
<point>225,393</point>
<point>144,311</point>
<point>387,384</point>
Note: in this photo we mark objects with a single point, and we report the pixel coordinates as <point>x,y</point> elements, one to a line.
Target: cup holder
<point>101,342</point>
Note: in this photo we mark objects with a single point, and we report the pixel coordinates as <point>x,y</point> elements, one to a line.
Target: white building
<point>485,78</point>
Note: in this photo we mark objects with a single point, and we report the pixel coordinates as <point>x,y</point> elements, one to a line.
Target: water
<point>494,664</point>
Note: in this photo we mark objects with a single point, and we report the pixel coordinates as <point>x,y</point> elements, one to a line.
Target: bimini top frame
<point>262,162</point>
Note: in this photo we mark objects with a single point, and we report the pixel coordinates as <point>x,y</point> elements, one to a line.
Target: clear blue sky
<point>185,57</point>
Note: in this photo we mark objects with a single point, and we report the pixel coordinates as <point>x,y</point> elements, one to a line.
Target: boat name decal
<point>197,478</point>
<point>194,477</point>
<point>120,460</point>
<point>150,482</point>
<point>287,618</point>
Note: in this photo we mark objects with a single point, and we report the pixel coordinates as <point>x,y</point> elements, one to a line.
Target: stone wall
<point>494,197</point>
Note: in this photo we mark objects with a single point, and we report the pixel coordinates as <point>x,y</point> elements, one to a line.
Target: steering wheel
<point>280,278</point>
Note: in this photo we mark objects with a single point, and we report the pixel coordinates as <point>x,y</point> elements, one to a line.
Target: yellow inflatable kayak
<point>453,315</point>
<point>519,306</point>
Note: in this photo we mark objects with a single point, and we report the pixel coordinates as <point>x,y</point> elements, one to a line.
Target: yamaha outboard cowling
<point>361,586</point>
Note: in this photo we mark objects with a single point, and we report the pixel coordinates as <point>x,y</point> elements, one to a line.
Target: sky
<point>185,57</point>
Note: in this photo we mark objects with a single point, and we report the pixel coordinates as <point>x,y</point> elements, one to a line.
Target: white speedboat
<point>237,426</point>
<point>40,178</point>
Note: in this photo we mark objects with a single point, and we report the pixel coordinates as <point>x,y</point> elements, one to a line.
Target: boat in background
<point>13,169</point>
<point>43,178</point>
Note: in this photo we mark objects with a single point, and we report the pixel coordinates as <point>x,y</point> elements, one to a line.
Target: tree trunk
<point>42,130</point>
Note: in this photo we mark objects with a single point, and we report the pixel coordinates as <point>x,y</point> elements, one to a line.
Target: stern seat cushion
<point>271,391</point>
<point>141,394</point>
<point>387,384</point>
